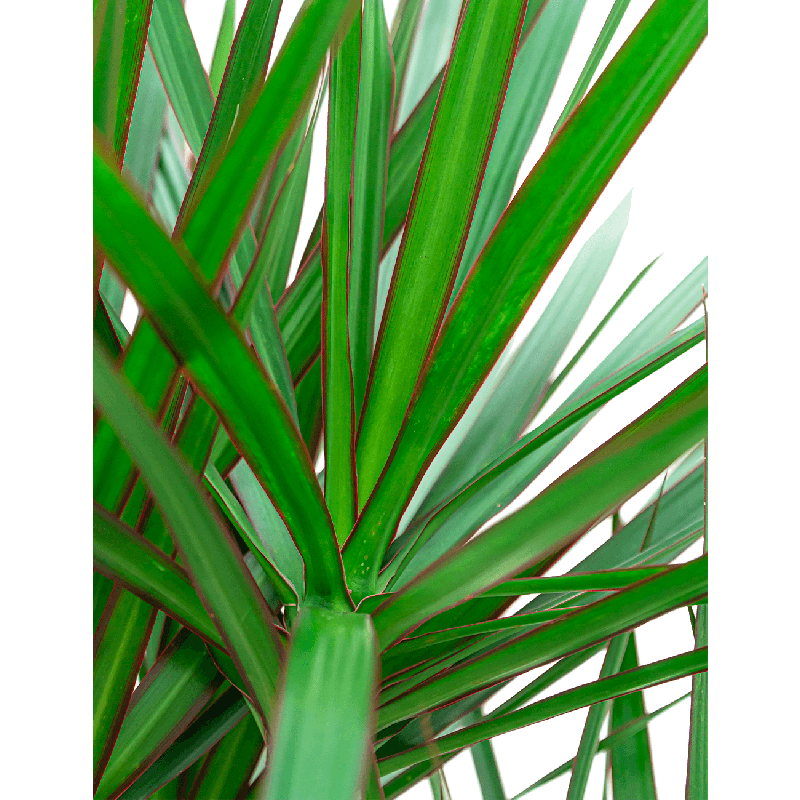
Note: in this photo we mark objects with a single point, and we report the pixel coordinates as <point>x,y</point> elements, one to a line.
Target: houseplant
<point>262,630</point>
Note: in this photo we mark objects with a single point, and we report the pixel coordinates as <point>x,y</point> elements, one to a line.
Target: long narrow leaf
<point>225,369</point>
<point>629,608</point>
<point>229,766</point>
<point>590,737</point>
<point>369,175</point>
<point>536,69</point>
<point>183,680</point>
<point>127,622</point>
<point>521,378</point>
<point>524,247</point>
<point>602,480</point>
<point>215,721</point>
<point>262,125</point>
<point>338,403</point>
<point>241,74</point>
<point>595,57</point>
<point>448,183</point>
<point>120,32</point>
<point>697,777</point>
<point>181,71</point>
<point>222,48</point>
<point>226,588</point>
<point>580,697</point>
<point>125,556</point>
<point>631,761</point>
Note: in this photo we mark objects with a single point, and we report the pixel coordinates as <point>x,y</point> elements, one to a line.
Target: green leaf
<point>595,57</point>
<point>526,244</point>
<point>447,187</point>
<point>593,581</point>
<point>137,562</point>
<point>536,69</point>
<point>485,763</point>
<point>631,761</point>
<point>678,525</point>
<point>222,49</point>
<point>120,28</point>
<point>262,124</point>
<point>580,697</point>
<point>442,718</point>
<point>122,554</point>
<point>241,77</point>
<point>654,328</point>
<point>282,220</point>
<point>265,335</point>
<point>272,537</point>
<point>697,779</point>
<point>325,708</point>
<point>590,737</point>
<point>228,767</point>
<point>183,680</point>
<point>208,728</point>
<point>147,122</point>
<point>181,70</point>
<point>299,308</point>
<point>113,468</point>
<point>338,405</point>
<point>106,330</point>
<point>114,672</point>
<point>370,169</point>
<point>602,480</point>
<point>573,631</point>
<point>226,588</point>
<point>430,48</point>
<point>232,509</point>
<point>416,644</point>
<point>619,737</point>
<point>299,316</point>
<point>404,27</point>
<point>225,369</point>
<point>524,376</point>
<point>309,408</point>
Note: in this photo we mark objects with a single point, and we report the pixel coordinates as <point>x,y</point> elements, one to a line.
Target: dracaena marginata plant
<point>265,630</point>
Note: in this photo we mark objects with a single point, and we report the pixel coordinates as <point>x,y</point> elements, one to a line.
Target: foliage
<point>265,631</point>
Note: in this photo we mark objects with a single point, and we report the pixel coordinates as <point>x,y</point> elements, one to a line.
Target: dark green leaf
<point>228,591</point>
<point>183,680</point>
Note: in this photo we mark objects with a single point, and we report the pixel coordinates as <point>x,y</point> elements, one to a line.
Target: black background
<point>667,170</point>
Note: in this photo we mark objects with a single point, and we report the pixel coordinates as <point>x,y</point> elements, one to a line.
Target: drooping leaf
<point>223,368</point>
<point>226,588</point>
<point>129,558</point>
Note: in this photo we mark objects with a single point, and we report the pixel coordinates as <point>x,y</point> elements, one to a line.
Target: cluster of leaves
<point>265,631</point>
